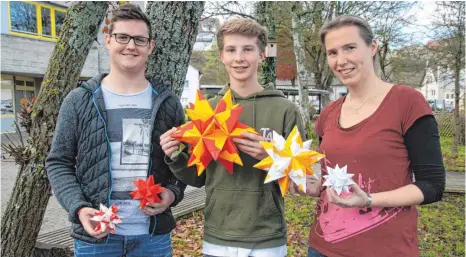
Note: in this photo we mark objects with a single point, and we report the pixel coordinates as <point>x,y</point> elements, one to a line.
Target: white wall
<point>441,90</point>
<point>189,93</point>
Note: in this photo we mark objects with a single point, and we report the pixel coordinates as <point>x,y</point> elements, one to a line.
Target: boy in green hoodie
<point>243,216</point>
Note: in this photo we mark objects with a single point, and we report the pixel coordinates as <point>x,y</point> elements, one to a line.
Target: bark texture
<point>25,210</point>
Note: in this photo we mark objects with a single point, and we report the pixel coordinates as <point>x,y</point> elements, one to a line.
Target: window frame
<point>9,77</point>
<point>39,34</point>
<point>54,25</point>
<point>51,23</point>
<point>24,87</point>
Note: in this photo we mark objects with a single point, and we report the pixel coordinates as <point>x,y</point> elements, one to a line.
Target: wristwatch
<point>369,201</point>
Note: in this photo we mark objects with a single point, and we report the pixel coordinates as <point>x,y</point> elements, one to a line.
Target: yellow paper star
<point>290,159</point>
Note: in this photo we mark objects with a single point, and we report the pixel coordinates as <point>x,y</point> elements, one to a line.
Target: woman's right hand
<point>169,145</point>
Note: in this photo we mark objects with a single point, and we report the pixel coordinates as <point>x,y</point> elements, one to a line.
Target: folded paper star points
<point>338,179</point>
<point>210,132</point>
<point>107,218</point>
<point>289,159</point>
<point>147,191</point>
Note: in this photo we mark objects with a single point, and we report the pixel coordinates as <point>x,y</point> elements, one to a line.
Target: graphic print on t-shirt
<point>337,223</point>
<point>135,142</point>
<point>128,128</point>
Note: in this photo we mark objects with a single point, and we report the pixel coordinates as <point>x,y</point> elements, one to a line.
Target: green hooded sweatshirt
<point>240,210</point>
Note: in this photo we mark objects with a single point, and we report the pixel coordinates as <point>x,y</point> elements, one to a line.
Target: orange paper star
<point>210,133</point>
<point>147,191</point>
<point>228,127</point>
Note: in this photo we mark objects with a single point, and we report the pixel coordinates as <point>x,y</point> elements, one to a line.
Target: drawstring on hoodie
<point>254,111</point>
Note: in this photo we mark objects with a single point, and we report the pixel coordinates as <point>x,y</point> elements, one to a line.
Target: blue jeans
<point>311,252</point>
<point>127,246</point>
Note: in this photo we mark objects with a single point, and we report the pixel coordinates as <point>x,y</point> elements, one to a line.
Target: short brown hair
<point>244,27</point>
<point>129,12</point>
<point>363,26</point>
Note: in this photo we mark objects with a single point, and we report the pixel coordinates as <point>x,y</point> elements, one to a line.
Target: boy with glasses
<point>107,136</point>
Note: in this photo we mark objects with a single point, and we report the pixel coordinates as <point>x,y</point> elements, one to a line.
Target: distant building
<point>29,31</point>
<point>191,85</point>
<point>438,87</point>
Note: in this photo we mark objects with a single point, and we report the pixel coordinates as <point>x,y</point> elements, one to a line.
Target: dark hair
<point>364,28</point>
<point>244,27</point>
<point>129,12</point>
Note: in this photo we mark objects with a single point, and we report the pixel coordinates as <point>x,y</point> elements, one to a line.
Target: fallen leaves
<point>441,228</point>
<point>187,236</point>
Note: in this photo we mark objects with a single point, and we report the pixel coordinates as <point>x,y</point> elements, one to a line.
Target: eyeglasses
<point>124,39</point>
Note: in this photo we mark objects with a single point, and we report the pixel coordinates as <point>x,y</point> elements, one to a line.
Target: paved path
<point>455,182</point>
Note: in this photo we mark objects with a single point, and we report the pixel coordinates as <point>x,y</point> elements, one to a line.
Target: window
<point>184,99</point>
<point>46,21</point>
<point>24,91</point>
<point>6,101</point>
<point>59,19</point>
<point>448,96</point>
<point>23,17</point>
<point>186,84</point>
<point>432,92</point>
<point>34,20</point>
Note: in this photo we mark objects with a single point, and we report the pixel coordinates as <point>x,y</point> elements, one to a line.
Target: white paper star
<point>107,218</point>
<point>338,179</point>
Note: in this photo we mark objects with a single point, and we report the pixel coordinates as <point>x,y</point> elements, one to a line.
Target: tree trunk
<point>265,16</point>
<point>456,114</point>
<point>174,29</point>
<point>24,212</point>
<point>303,101</point>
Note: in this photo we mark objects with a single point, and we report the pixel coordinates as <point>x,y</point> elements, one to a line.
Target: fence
<point>446,124</point>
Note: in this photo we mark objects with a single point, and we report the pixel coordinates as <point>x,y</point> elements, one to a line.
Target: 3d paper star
<point>227,127</point>
<point>290,159</point>
<point>195,132</point>
<point>338,179</point>
<point>107,218</point>
<point>210,133</point>
<point>147,191</point>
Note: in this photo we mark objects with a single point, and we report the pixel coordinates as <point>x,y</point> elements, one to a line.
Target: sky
<point>422,13</point>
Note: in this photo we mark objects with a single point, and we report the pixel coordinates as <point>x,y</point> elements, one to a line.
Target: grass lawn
<point>452,163</point>
<point>441,228</point>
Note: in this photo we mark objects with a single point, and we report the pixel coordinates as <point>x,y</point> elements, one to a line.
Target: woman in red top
<point>388,138</point>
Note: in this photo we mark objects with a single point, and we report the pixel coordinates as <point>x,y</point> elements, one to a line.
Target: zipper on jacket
<point>109,149</point>
<point>150,164</point>
<point>148,173</point>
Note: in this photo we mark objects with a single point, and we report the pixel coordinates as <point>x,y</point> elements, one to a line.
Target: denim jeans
<point>206,255</point>
<point>127,246</point>
<point>311,252</point>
